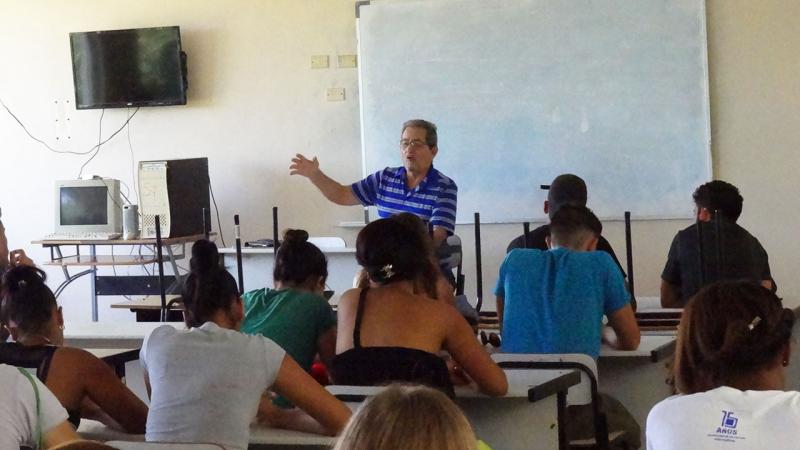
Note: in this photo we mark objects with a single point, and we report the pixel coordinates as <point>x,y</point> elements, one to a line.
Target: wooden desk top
<point>149,241</point>
<point>654,347</point>
<point>520,383</point>
<point>150,302</point>
<point>104,260</point>
<point>107,353</point>
<point>114,330</point>
<point>270,251</point>
<point>259,434</point>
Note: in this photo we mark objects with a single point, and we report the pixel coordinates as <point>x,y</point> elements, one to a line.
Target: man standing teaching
<point>416,187</point>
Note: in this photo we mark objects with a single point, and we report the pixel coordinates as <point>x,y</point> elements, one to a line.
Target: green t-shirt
<point>293,319</point>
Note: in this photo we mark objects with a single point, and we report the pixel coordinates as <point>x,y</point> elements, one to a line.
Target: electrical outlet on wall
<point>347,61</point>
<point>335,94</point>
<point>319,62</point>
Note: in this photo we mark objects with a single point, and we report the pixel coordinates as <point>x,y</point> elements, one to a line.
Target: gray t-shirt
<point>18,415</point>
<point>206,383</point>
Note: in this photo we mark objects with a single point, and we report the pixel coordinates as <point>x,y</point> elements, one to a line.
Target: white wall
<point>755,121</point>
<point>254,102</point>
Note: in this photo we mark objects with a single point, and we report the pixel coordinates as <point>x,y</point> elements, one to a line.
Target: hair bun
<point>205,256</point>
<point>21,277</point>
<point>295,236</point>
<point>381,274</point>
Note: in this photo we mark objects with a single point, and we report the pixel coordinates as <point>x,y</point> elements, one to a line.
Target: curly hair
<point>729,330</point>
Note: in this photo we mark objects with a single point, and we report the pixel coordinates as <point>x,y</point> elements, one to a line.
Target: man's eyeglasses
<point>404,144</point>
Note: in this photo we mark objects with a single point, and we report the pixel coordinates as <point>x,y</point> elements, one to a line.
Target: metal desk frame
<point>110,285</point>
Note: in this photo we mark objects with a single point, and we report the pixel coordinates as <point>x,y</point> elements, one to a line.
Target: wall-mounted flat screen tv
<point>122,68</point>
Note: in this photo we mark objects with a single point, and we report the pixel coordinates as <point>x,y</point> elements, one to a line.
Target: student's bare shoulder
<point>439,310</point>
<point>75,353</point>
<point>349,299</point>
<point>77,358</point>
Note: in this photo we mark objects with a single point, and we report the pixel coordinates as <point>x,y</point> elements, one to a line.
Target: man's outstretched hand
<point>304,166</point>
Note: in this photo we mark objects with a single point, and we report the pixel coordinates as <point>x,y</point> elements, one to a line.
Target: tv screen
<point>121,68</point>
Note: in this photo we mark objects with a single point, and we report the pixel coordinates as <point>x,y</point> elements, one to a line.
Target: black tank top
<point>34,357</point>
<point>375,366</point>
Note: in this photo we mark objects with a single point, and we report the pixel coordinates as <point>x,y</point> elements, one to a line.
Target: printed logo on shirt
<point>729,421</point>
<point>727,430</point>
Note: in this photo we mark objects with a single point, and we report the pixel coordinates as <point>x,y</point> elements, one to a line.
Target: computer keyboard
<point>86,236</point>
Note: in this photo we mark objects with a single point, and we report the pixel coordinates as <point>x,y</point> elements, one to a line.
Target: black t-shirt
<point>743,257</point>
<point>536,240</point>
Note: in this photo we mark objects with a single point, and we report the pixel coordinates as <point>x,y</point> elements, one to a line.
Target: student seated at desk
<point>393,332</point>
<point>30,415</point>
<point>733,346</point>
<point>565,189</point>
<point>408,417</point>
<point>743,256</point>
<point>85,385</point>
<point>294,314</point>
<point>553,301</point>
<point>206,382</point>
<point>433,284</point>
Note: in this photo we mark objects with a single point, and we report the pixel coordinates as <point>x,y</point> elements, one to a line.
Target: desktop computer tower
<point>176,191</point>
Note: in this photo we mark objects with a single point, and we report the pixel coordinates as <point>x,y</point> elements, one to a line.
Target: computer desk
<point>116,284</point>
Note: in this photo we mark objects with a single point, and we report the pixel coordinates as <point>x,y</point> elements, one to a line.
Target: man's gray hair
<point>431,137</point>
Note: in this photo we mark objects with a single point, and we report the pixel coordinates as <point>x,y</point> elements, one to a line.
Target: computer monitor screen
<point>84,205</point>
<point>88,206</point>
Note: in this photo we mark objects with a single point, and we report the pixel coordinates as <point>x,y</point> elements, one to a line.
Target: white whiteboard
<point>615,91</point>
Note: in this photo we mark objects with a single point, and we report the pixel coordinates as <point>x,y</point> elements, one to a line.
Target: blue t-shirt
<point>554,300</point>
<point>433,200</point>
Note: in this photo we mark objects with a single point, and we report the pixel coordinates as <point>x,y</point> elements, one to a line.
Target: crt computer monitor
<point>88,206</point>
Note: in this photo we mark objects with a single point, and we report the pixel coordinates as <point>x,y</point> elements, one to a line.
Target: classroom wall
<point>254,102</point>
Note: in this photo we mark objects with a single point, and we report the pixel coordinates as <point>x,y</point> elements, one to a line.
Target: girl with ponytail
<point>430,280</point>
<point>295,314</point>
<point>207,382</point>
<point>86,386</point>
<point>393,330</point>
<point>734,343</point>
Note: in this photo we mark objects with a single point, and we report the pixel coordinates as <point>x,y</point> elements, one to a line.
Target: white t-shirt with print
<point>206,383</point>
<point>18,415</point>
<point>726,418</point>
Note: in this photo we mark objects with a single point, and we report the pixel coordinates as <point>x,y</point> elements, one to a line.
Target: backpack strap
<point>38,426</point>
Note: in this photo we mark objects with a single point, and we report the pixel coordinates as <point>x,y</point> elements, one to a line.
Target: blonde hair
<point>408,418</point>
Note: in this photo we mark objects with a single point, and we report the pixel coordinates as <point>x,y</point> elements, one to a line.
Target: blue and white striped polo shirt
<point>433,200</point>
